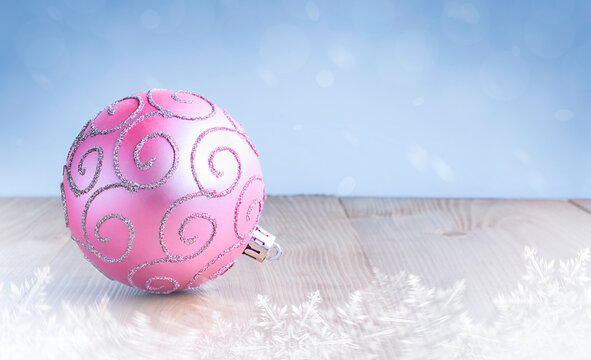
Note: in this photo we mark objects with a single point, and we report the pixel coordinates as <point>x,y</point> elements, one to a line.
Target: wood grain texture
<point>583,204</point>
<point>481,241</point>
<point>330,244</point>
<point>321,252</point>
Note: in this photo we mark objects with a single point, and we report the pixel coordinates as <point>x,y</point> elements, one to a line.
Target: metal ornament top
<point>262,246</point>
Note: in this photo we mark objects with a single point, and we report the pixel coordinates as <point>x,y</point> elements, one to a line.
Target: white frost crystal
<point>546,316</point>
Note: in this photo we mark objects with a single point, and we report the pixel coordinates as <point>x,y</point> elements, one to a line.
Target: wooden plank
<point>330,245</point>
<point>481,241</point>
<point>321,252</point>
<point>583,204</point>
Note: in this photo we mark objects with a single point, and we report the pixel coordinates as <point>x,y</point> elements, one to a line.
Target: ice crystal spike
<point>262,246</point>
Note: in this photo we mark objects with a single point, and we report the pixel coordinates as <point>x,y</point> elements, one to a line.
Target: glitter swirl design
<point>126,221</point>
<point>90,130</point>
<point>212,183</point>
<point>144,165</point>
<point>250,196</point>
<point>192,106</point>
<point>254,204</point>
<point>82,170</point>
<point>240,130</point>
<point>63,198</point>
<point>161,191</point>
<point>222,270</point>
<point>111,111</point>
<point>186,220</point>
<point>162,289</point>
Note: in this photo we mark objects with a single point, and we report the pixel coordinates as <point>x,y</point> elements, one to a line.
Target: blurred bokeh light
<point>391,98</point>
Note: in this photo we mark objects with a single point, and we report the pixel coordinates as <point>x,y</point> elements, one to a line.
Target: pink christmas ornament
<point>163,190</point>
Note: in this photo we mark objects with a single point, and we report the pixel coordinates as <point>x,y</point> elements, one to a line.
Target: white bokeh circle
<point>312,11</point>
<point>324,78</point>
<point>563,115</point>
<point>341,56</point>
<point>465,22</point>
<point>346,186</point>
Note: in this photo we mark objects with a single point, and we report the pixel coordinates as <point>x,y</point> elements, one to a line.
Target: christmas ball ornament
<point>163,190</point>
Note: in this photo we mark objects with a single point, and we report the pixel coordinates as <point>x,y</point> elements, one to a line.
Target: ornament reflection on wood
<point>163,191</point>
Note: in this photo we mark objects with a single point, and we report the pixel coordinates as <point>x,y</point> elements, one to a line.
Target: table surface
<point>359,278</point>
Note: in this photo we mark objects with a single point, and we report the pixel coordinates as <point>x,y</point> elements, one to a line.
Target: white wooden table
<point>360,278</point>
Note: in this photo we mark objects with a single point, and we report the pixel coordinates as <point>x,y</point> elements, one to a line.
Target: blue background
<point>393,98</point>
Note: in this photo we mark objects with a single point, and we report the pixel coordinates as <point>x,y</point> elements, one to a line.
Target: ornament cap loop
<point>262,246</point>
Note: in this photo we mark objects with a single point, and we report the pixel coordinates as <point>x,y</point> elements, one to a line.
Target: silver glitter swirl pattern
<point>64,208</point>
<point>125,220</point>
<point>166,284</point>
<point>112,110</point>
<point>171,258</point>
<point>82,170</point>
<point>192,216</point>
<point>137,268</point>
<point>193,282</point>
<point>188,219</point>
<point>82,135</point>
<point>158,290</point>
<point>244,238</point>
<point>239,128</point>
<point>222,270</point>
<point>136,152</point>
<point>94,131</point>
<point>254,202</point>
<point>174,96</point>
<point>218,174</point>
<point>121,218</point>
<point>140,165</point>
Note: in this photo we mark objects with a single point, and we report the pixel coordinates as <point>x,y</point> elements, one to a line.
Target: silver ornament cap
<point>262,246</point>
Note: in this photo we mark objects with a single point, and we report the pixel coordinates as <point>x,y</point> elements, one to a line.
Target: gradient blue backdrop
<point>402,98</point>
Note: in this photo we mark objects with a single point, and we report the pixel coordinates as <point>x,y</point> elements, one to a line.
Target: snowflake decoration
<point>547,315</point>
